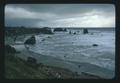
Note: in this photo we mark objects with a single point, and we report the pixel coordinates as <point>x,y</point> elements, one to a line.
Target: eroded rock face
<point>10,49</point>
<point>85,31</point>
<point>31,40</point>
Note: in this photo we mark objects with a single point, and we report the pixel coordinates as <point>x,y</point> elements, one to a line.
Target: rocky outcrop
<point>85,31</point>
<point>60,29</point>
<point>10,49</point>
<point>31,40</point>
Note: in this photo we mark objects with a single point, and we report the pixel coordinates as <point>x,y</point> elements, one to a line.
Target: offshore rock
<point>31,40</point>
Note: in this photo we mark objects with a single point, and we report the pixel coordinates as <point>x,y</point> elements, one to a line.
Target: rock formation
<point>31,40</point>
<point>85,31</point>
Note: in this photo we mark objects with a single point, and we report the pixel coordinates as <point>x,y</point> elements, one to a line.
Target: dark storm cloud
<point>61,14</point>
<point>22,22</point>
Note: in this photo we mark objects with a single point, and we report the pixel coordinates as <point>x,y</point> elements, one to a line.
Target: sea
<point>78,48</point>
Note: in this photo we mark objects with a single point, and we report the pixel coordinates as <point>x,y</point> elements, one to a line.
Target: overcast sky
<point>60,15</point>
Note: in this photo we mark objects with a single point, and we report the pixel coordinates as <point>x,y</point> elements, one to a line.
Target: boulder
<point>74,33</point>
<point>95,45</point>
<point>10,49</point>
<point>31,40</point>
<point>85,31</point>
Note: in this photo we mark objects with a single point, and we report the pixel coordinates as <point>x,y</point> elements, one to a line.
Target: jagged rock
<point>31,40</point>
<point>95,45</point>
<point>85,31</point>
<point>10,49</point>
<point>60,29</point>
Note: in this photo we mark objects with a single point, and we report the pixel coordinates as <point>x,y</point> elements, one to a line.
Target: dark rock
<point>60,29</point>
<point>46,30</point>
<point>31,40</point>
<point>95,45</point>
<point>10,49</point>
<point>70,32</point>
<point>85,31</point>
<point>74,33</point>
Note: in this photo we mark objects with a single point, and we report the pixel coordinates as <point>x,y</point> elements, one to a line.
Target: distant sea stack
<point>46,30</point>
<point>31,40</point>
<point>60,29</point>
<point>85,31</point>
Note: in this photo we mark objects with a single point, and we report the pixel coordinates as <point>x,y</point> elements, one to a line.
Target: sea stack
<point>31,40</point>
<point>85,31</point>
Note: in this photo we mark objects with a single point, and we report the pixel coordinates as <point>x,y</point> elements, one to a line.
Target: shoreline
<point>71,65</point>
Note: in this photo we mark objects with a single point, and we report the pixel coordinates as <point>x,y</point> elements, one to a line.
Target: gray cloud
<point>78,15</point>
